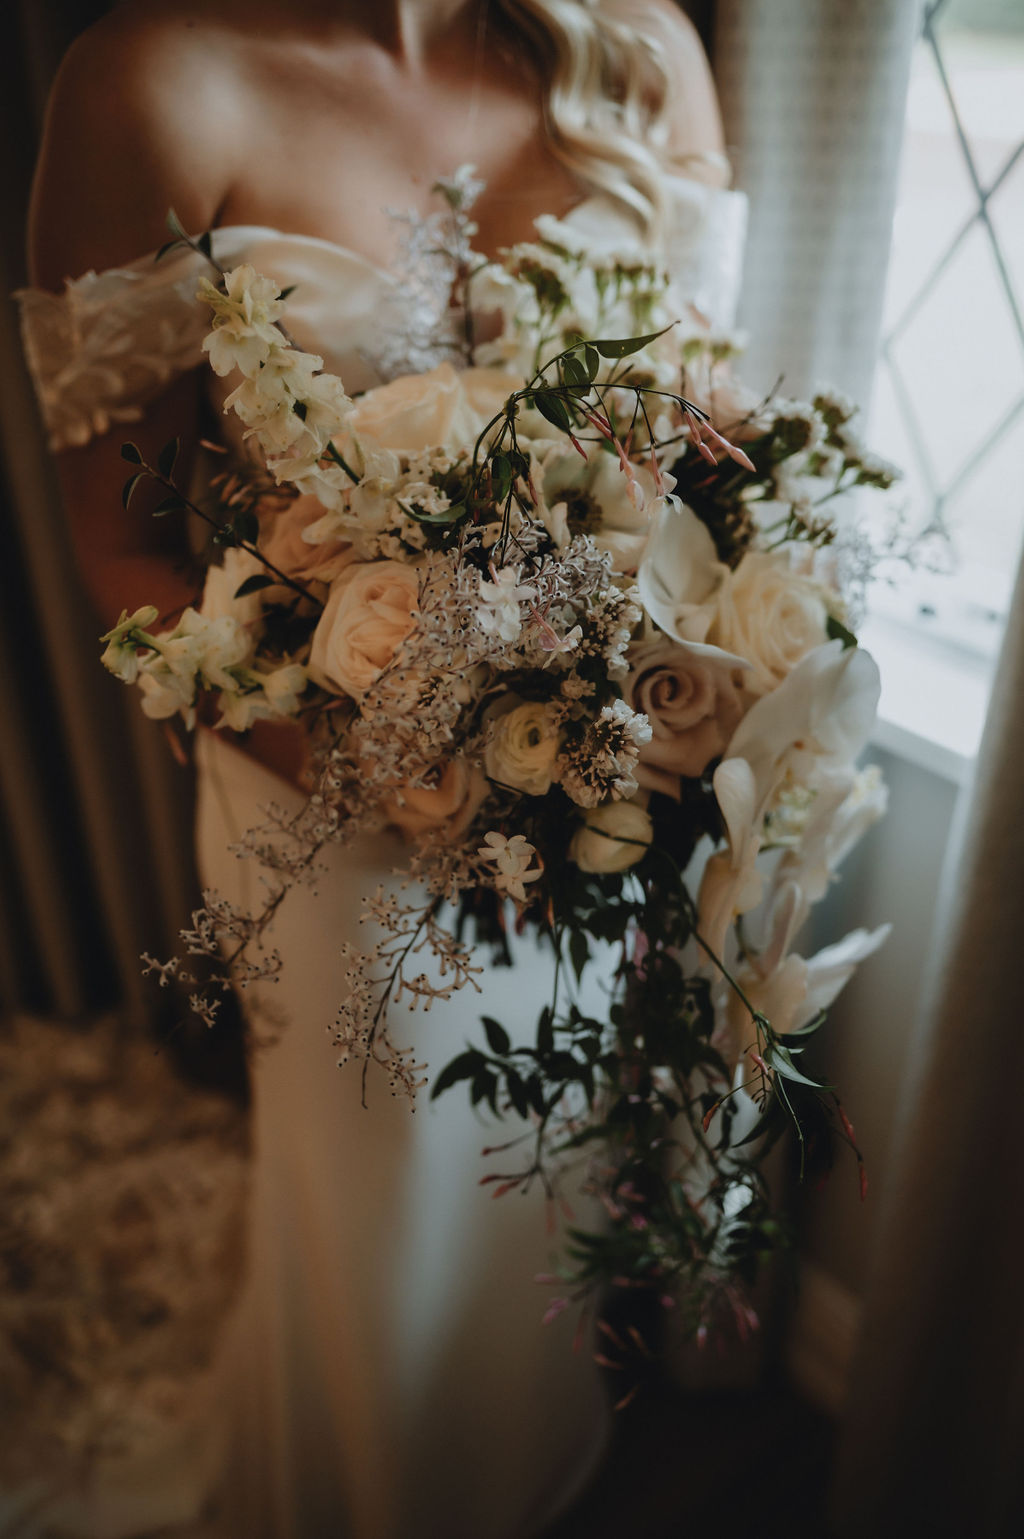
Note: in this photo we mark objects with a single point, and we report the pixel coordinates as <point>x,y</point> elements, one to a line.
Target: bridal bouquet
<point>566,609</point>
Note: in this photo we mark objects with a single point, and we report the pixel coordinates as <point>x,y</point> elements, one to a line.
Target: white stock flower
<point>120,656</point>
<point>222,584</point>
<point>243,320</point>
<point>522,747</point>
<point>283,687</point>
<point>513,859</point>
<point>680,575</point>
<point>612,838</point>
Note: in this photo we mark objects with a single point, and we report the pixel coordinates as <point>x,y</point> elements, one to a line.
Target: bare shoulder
<point>695,123</point>
<point>141,118</point>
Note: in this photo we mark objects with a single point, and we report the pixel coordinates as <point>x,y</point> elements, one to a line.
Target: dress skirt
<point>388,1375</point>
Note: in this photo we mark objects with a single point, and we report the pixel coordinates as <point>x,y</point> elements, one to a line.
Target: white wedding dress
<point>386,1374</point>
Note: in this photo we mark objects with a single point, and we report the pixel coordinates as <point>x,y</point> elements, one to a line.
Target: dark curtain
<point>95,815</point>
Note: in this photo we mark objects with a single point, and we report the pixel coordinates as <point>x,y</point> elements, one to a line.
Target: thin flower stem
<point>246,545</point>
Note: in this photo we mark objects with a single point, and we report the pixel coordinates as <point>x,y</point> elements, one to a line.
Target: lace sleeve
<point>111,342</point>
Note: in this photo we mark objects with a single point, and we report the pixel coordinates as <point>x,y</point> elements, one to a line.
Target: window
<point>948,403</point>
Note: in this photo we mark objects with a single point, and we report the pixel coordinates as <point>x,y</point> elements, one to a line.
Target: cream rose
<point>441,409</point>
<point>284,544</point>
<point>691,697</point>
<point>452,802</point>
<point>371,609</point>
<point>769,615</point>
<point>613,837</point>
<point>522,749</point>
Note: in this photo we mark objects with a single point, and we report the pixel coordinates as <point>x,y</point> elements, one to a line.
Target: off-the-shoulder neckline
<point>238,235</point>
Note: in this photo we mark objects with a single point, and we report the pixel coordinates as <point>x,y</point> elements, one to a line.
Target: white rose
<point>418,411</point>
<point>522,749</point>
<point>769,615</point>
<point>371,609</point>
<point>614,837</point>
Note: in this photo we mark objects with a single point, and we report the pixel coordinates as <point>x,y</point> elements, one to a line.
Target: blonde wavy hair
<point>607,100</point>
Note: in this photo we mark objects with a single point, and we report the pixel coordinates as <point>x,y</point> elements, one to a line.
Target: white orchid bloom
<point>818,718</point>
<point>787,989</point>
<point>680,574</point>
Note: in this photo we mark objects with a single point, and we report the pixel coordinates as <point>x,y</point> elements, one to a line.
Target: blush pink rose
<point>282,543</point>
<point>693,700</point>
<point>452,802</point>
<point>371,609</point>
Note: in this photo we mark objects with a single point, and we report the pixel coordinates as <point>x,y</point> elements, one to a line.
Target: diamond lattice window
<point>949,394</point>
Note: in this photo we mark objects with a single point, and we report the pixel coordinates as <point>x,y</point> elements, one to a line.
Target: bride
<point>386,1373</point>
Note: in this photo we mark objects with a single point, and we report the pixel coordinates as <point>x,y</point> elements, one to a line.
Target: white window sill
<point>934,697</point>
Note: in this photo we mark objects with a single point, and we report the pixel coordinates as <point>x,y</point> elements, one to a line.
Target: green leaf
<point>592,360</point>
<point>579,952</point>
<point>837,631</point>
<point>498,1039</point>
<point>485,1088</point>
<point>175,225</point>
<point>554,409</point>
<point>546,1031</point>
<point>129,487</point>
<point>132,453</point>
<point>167,458</point>
<point>517,1093</point>
<point>575,374</point>
<point>289,291</point>
<point>501,476</point>
<point>622,347</point>
<point>169,245</point>
<point>205,245</point>
<point>253,584</point>
<point>780,1059</point>
<point>441,520</point>
<point>168,505</point>
<point>246,527</point>
<point>462,1067</point>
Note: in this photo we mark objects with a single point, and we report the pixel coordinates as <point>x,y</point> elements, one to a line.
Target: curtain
<point>931,1443</point>
<point>813,97</point>
<point>95,840</point>
<point>935,1426</point>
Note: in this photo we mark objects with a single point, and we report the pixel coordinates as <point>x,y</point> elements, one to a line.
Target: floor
<point>737,1464</point>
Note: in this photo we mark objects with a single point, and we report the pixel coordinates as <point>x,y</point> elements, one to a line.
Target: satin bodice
<point>110,342</point>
